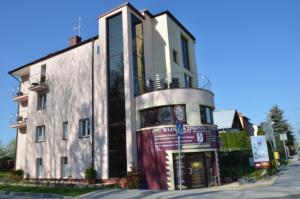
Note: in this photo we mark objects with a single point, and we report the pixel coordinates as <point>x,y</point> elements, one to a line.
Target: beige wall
<point>68,99</point>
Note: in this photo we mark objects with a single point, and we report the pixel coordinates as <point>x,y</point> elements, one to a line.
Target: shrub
<point>17,175</point>
<point>90,172</point>
<point>133,179</point>
<point>272,169</point>
<point>284,161</point>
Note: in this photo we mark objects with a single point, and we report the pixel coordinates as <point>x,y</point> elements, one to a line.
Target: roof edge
<point>120,6</point>
<point>54,54</point>
<point>176,21</point>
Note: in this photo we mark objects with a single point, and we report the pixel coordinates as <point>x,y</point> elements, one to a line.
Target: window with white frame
<point>64,167</point>
<point>206,114</point>
<point>65,131</point>
<point>84,127</point>
<point>39,167</point>
<point>41,101</point>
<point>40,133</point>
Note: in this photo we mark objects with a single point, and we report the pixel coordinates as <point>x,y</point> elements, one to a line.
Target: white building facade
<point>111,101</point>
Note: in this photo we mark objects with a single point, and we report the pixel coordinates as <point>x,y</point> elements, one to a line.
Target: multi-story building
<point>113,101</point>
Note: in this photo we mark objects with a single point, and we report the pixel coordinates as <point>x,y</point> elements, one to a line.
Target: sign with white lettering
<point>259,149</point>
<point>283,137</point>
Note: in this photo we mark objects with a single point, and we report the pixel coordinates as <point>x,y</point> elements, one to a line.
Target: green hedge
<point>235,141</point>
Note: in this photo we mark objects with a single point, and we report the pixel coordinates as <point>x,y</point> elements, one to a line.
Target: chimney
<point>74,40</point>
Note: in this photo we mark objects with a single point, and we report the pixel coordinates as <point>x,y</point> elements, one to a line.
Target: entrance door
<point>196,173</point>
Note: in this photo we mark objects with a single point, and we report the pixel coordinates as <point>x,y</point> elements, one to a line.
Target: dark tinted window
<point>158,116</point>
<point>116,101</point>
<point>206,114</point>
<point>185,53</point>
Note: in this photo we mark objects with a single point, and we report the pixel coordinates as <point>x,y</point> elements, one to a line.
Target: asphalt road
<point>287,186</point>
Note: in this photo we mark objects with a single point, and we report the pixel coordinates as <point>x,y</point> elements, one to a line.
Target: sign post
<point>179,133</point>
<point>179,114</point>
<point>283,137</point>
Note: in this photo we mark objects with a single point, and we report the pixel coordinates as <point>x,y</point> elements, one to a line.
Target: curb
<point>262,183</point>
<point>30,194</point>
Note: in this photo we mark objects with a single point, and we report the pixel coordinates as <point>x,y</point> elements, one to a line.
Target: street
<point>286,186</point>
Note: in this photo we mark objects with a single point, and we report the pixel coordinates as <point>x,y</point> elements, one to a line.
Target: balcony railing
<point>171,81</point>
<point>38,82</point>
<point>18,120</point>
<point>20,94</point>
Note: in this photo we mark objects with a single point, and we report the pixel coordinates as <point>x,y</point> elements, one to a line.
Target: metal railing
<point>171,81</point>
<point>37,79</point>
<point>18,91</point>
<point>18,118</point>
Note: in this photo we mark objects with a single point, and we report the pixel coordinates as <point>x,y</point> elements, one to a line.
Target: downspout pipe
<point>93,107</point>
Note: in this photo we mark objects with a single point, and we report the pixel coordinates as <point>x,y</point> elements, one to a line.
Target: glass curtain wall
<point>116,99</point>
<point>138,55</point>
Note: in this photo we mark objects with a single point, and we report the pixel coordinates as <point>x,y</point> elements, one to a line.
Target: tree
<point>2,150</point>
<point>260,131</point>
<point>8,151</point>
<point>281,125</point>
<point>11,149</point>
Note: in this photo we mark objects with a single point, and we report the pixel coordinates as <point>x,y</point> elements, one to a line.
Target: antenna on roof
<point>78,27</point>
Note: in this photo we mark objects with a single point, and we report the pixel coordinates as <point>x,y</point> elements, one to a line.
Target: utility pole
<point>283,137</point>
<point>274,147</point>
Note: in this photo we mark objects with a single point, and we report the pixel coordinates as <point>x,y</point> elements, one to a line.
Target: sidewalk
<point>152,194</point>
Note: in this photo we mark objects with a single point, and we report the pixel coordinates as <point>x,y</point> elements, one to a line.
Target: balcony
<point>171,81</point>
<point>38,83</point>
<point>20,94</point>
<point>19,120</point>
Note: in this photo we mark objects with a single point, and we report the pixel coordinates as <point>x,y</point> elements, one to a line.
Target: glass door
<point>196,171</point>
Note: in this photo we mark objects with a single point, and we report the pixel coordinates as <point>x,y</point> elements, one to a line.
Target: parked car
<point>299,155</point>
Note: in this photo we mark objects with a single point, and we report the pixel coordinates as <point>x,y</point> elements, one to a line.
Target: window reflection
<point>163,115</point>
<point>116,101</point>
<point>206,114</point>
<point>138,55</point>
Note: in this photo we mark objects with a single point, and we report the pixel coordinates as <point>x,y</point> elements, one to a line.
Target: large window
<point>65,131</point>
<point>163,115</point>
<point>84,127</point>
<point>39,167</point>
<point>206,114</point>
<point>116,98</point>
<point>185,53</point>
<point>138,55</point>
<point>40,133</point>
<point>64,167</point>
<point>41,101</point>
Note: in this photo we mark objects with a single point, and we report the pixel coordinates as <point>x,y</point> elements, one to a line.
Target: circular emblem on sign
<point>179,113</point>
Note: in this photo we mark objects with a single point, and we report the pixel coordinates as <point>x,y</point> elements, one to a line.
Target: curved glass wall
<point>163,115</point>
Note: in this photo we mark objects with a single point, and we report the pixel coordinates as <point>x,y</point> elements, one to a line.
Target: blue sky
<point>249,49</point>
